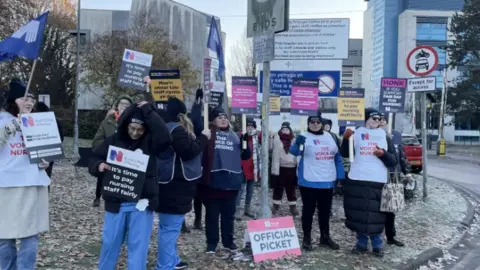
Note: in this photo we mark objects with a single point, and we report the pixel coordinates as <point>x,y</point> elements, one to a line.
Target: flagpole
<point>30,78</point>
<point>77,85</point>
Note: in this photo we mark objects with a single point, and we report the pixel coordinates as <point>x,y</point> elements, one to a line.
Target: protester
<point>319,167</point>
<point>106,129</point>
<point>139,128</point>
<point>221,180</point>
<point>179,168</point>
<point>251,168</point>
<point>23,186</point>
<point>373,154</point>
<point>327,126</point>
<point>42,107</point>
<point>405,168</point>
<point>284,169</point>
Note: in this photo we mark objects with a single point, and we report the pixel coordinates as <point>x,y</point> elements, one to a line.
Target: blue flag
<point>215,44</point>
<point>26,41</point>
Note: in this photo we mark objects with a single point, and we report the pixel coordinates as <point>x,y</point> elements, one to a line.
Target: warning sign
<point>326,84</point>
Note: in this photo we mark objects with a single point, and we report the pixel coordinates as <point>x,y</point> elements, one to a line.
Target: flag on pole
<point>215,44</point>
<point>26,41</point>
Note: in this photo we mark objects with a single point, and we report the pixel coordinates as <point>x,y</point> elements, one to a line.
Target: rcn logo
<point>28,122</point>
<point>129,55</point>
<point>30,31</point>
<point>114,156</point>
<point>316,142</point>
<point>365,137</point>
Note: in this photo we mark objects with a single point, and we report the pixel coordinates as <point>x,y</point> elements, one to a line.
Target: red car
<point>413,151</point>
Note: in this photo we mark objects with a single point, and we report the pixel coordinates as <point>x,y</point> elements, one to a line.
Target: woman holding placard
<point>23,186</point>
<point>140,129</point>
<point>319,168</point>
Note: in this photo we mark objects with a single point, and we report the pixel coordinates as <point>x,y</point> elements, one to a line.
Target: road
<point>464,172</point>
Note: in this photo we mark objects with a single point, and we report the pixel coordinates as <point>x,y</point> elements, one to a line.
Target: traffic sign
<point>422,60</point>
<point>326,84</point>
<point>423,84</point>
<point>264,48</point>
<point>267,16</point>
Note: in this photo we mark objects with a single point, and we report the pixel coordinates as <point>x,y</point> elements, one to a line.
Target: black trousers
<point>321,199</point>
<point>223,209</point>
<point>390,231</point>
<point>197,207</point>
<point>98,189</point>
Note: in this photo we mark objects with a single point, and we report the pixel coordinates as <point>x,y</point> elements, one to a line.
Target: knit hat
<point>123,97</point>
<point>175,107</point>
<point>17,90</point>
<point>326,121</point>
<point>287,125</point>
<point>137,117</point>
<point>251,122</point>
<point>216,112</point>
<point>383,116</point>
<point>318,117</point>
<point>371,112</point>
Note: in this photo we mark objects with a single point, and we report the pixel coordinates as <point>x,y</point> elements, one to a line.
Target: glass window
<point>431,31</point>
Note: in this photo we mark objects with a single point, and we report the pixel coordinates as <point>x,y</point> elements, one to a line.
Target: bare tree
<point>240,60</point>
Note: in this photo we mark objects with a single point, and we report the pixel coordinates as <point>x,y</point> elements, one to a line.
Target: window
<point>431,31</point>
<point>467,138</point>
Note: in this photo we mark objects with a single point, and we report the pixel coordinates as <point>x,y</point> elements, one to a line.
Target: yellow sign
<point>274,105</point>
<point>351,107</point>
<point>165,84</point>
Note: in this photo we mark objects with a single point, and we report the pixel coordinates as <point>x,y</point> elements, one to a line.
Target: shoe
<point>232,248</point>
<point>197,225</point>
<point>327,241</point>
<point>275,209</point>
<point>185,229</point>
<point>293,210</point>
<point>181,265</point>
<point>248,212</point>
<point>238,216</point>
<point>395,242</point>
<point>211,249</point>
<point>96,202</point>
<point>359,250</point>
<point>307,245</point>
<point>378,252</point>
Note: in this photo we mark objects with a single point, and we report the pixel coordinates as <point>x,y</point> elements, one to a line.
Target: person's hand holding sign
<point>43,164</point>
<point>103,167</point>
<point>379,152</point>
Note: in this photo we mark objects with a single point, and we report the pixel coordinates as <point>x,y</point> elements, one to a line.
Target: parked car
<point>413,151</point>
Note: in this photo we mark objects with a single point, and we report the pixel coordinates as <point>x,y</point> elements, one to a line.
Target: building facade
<point>352,67</point>
<point>391,30</point>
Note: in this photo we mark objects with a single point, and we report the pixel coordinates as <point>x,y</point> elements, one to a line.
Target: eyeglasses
<point>315,122</point>
<point>376,118</point>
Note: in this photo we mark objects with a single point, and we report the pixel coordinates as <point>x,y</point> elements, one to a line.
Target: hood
<point>122,124</point>
<point>126,97</point>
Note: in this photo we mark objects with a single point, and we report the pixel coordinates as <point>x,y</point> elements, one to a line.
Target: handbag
<point>393,199</point>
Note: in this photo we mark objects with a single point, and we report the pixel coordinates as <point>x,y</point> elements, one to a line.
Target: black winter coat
<point>156,139</point>
<point>362,199</point>
<point>176,196</point>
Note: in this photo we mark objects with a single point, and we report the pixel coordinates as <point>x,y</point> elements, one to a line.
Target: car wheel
<point>417,169</point>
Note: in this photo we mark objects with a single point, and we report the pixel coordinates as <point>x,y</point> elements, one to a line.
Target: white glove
<point>207,133</point>
<point>43,164</point>
<point>11,128</point>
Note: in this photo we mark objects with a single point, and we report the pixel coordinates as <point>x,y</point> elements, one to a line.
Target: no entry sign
<point>422,60</point>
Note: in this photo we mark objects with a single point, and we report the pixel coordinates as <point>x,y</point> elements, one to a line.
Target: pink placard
<point>304,97</point>
<point>244,95</point>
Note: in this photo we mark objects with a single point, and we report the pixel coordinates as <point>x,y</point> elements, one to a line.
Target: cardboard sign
<point>244,95</point>
<point>126,177</point>
<point>135,66</point>
<point>351,107</point>
<point>274,100</point>
<point>392,95</point>
<point>165,84</point>
<point>304,97</point>
<point>41,137</point>
<point>273,238</point>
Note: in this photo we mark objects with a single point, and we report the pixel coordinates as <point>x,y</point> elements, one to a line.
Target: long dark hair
<point>12,108</point>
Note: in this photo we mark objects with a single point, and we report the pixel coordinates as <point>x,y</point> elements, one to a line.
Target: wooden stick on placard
<point>244,130</point>
<point>303,128</point>
<point>205,115</point>
<point>351,142</point>
<point>29,83</point>
<point>390,120</point>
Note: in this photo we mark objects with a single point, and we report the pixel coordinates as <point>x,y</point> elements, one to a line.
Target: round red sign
<point>422,60</point>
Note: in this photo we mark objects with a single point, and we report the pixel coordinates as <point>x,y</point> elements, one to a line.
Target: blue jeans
<point>134,223</point>
<point>249,185</point>
<point>169,229</point>
<point>362,241</point>
<point>23,259</point>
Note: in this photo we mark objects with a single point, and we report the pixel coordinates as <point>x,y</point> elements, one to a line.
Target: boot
<point>327,241</point>
<point>307,242</point>
<point>275,208</point>
<point>197,225</point>
<point>248,212</point>
<point>395,242</point>
<point>378,252</point>
<point>293,210</point>
<point>96,202</point>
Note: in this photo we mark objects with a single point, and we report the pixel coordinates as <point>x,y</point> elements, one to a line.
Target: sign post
<point>264,17</point>
<point>422,61</point>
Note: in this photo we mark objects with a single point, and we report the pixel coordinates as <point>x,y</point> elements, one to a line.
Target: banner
<point>273,238</point>
<point>392,95</point>
<point>41,137</point>
<point>304,97</point>
<point>135,66</point>
<point>244,95</point>
<point>126,176</point>
<point>165,84</point>
<point>207,67</point>
<point>351,107</point>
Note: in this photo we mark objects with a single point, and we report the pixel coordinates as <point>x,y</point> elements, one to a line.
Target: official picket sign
<point>351,107</point>
<point>126,177</point>
<point>314,39</point>
<point>422,84</point>
<point>244,95</point>
<point>165,84</point>
<point>135,66</point>
<point>273,238</point>
<point>41,137</point>
<point>304,97</point>
<point>392,95</point>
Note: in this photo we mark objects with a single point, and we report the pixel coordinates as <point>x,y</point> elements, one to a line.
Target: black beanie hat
<point>286,125</point>
<point>326,121</point>
<point>370,112</point>
<point>175,107</point>
<point>317,117</point>
<point>251,122</point>
<point>16,90</point>
<point>137,117</point>
<point>216,112</point>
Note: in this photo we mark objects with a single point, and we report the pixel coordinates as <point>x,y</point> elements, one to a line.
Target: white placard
<point>313,39</point>
<point>218,87</point>
<point>264,48</point>
<point>134,160</point>
<point>422,84</point>
<point>40,129</point>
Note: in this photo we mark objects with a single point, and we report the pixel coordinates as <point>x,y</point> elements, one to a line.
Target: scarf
<point>257,161</point>
<point>286,140</point>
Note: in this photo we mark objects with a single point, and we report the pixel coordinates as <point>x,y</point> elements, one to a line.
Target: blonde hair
<point>187,124</point>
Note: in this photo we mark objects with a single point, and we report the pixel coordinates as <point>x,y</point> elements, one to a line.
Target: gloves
<point>347,134</point>
<point>300,140</point>
<point>379,152</point>
<point>199,94</point>
<point>245,137</point>
<point>207,133</point>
